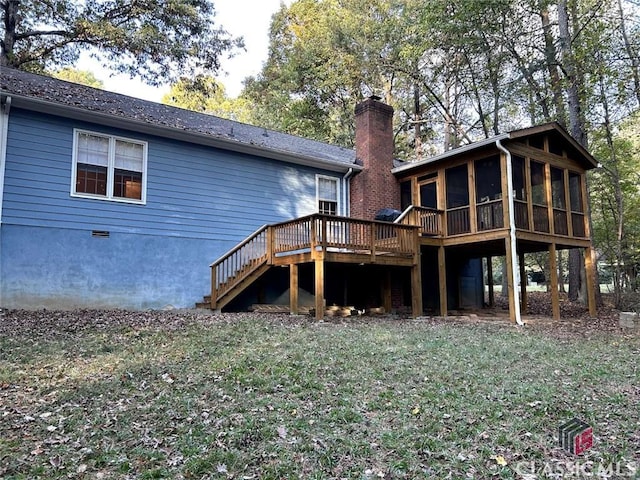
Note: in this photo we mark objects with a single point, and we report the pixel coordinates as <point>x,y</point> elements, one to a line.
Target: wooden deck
<point>314,238</point>
<point>320,239</point>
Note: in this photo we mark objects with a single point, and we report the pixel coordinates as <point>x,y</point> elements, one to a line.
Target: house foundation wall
<point>57,268</point>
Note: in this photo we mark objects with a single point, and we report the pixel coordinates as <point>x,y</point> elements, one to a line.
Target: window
<point>109,167</point>
<point>327,193</point>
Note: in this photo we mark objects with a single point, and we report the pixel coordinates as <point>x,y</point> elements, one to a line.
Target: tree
<point>204,94</point>
<point>158,40</point>
<point>83,77</point>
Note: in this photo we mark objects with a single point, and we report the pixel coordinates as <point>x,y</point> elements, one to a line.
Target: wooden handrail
<point>428,219</point>
<point>239,262</point>
<point>240,245</point>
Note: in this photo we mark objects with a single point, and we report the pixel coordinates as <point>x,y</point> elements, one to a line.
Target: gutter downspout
<point>5,107</point>
<point>346,193</point>
<point>512,231</point>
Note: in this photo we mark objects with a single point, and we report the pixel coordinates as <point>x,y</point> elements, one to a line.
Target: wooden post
<point>214,289</point>
<point>372,241</point>
<point>416,290</point>
<point>590,271</point>
<point>547,189</point>
<point>319,274</point>
<point>386,291</point>
<point>270,237</point>
<point>293,289</point>
<point>511,281</point>
<point>442,281</point>
<point>472,198</point>
<point>553,271</point>
<point>490,281</point>
<point>523,284</point>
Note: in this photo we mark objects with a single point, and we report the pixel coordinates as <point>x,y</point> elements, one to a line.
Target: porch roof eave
<point>450,153</point>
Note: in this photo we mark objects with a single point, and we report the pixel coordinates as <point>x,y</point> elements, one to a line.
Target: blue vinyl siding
<point>192,191</point>
<point>200,202</point>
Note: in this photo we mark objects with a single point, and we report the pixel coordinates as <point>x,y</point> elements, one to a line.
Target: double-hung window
<point>327,193</point>
<point>109,167</point>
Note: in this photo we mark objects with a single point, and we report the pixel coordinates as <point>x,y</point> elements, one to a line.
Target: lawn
<point>186,395</point>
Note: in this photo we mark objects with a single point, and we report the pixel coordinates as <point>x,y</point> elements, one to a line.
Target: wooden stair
<point>317,238</point>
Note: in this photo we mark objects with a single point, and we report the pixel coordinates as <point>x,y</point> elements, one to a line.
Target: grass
<point>249,397</point>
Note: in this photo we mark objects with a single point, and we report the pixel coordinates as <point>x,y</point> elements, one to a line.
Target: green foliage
<point>204,94</point>
<point>615,201</point>
<point>83,77</point>
<point>158,40</point>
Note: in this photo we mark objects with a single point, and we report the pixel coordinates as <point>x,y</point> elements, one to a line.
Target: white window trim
<point>110,168</point>
<point>338,202</point>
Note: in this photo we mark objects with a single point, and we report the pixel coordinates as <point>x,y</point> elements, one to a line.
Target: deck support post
<point>553,271</point>
<point>490,281</point>
<point>319,290</point>
<point>590,271</point>
<point>416,291</point>
<point>293,289</point>
<point>523,284</point>
<point>442,281</point>
<point>386,291</point>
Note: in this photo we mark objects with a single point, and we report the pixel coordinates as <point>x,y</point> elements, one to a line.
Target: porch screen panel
<point>577,206</point>
<point>405,195</point>
<point>457,185</point>
<point>488,185</point>
<point>521,212</point>
<point>558,201</point>
<point>539,198</point>
<point>428,195</point>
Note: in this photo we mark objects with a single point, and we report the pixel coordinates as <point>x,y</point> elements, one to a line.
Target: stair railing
<point>239,262</point>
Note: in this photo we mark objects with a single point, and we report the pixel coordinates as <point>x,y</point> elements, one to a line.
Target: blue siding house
<point>110,201</point>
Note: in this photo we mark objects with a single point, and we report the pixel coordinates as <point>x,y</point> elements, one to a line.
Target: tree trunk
<point>417,121</point>
<point>633,57</point>
<point>575,267</point>
<point>10,10</point>
<point>505,273</point>
<point>576,122</point>
<point>552,65</point>
<point>560,272</point>
<point>573,74</point>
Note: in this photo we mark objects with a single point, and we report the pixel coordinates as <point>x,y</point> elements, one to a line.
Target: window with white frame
<point>327,193</point>
<point>109,167</point>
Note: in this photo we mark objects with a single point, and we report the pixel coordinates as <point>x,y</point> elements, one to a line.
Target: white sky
<point>247,18</point>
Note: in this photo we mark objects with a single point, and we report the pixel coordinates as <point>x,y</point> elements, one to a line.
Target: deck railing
<point>239,262</point>
<point>341,234</point>
<point>428,219</point>
<point>313,233</point>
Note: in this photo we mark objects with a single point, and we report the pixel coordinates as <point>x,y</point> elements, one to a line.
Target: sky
<point>247,18</point>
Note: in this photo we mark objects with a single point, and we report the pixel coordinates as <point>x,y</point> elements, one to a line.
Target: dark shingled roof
<point>66,94</point>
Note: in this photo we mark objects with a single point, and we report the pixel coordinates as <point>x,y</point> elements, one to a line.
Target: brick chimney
<point>374,187</point>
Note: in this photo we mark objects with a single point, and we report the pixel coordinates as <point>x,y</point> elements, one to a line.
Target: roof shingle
<point>67,94</point>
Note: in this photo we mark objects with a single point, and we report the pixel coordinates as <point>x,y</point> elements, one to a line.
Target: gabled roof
<point>58,97</point>
<point>578,152</point>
